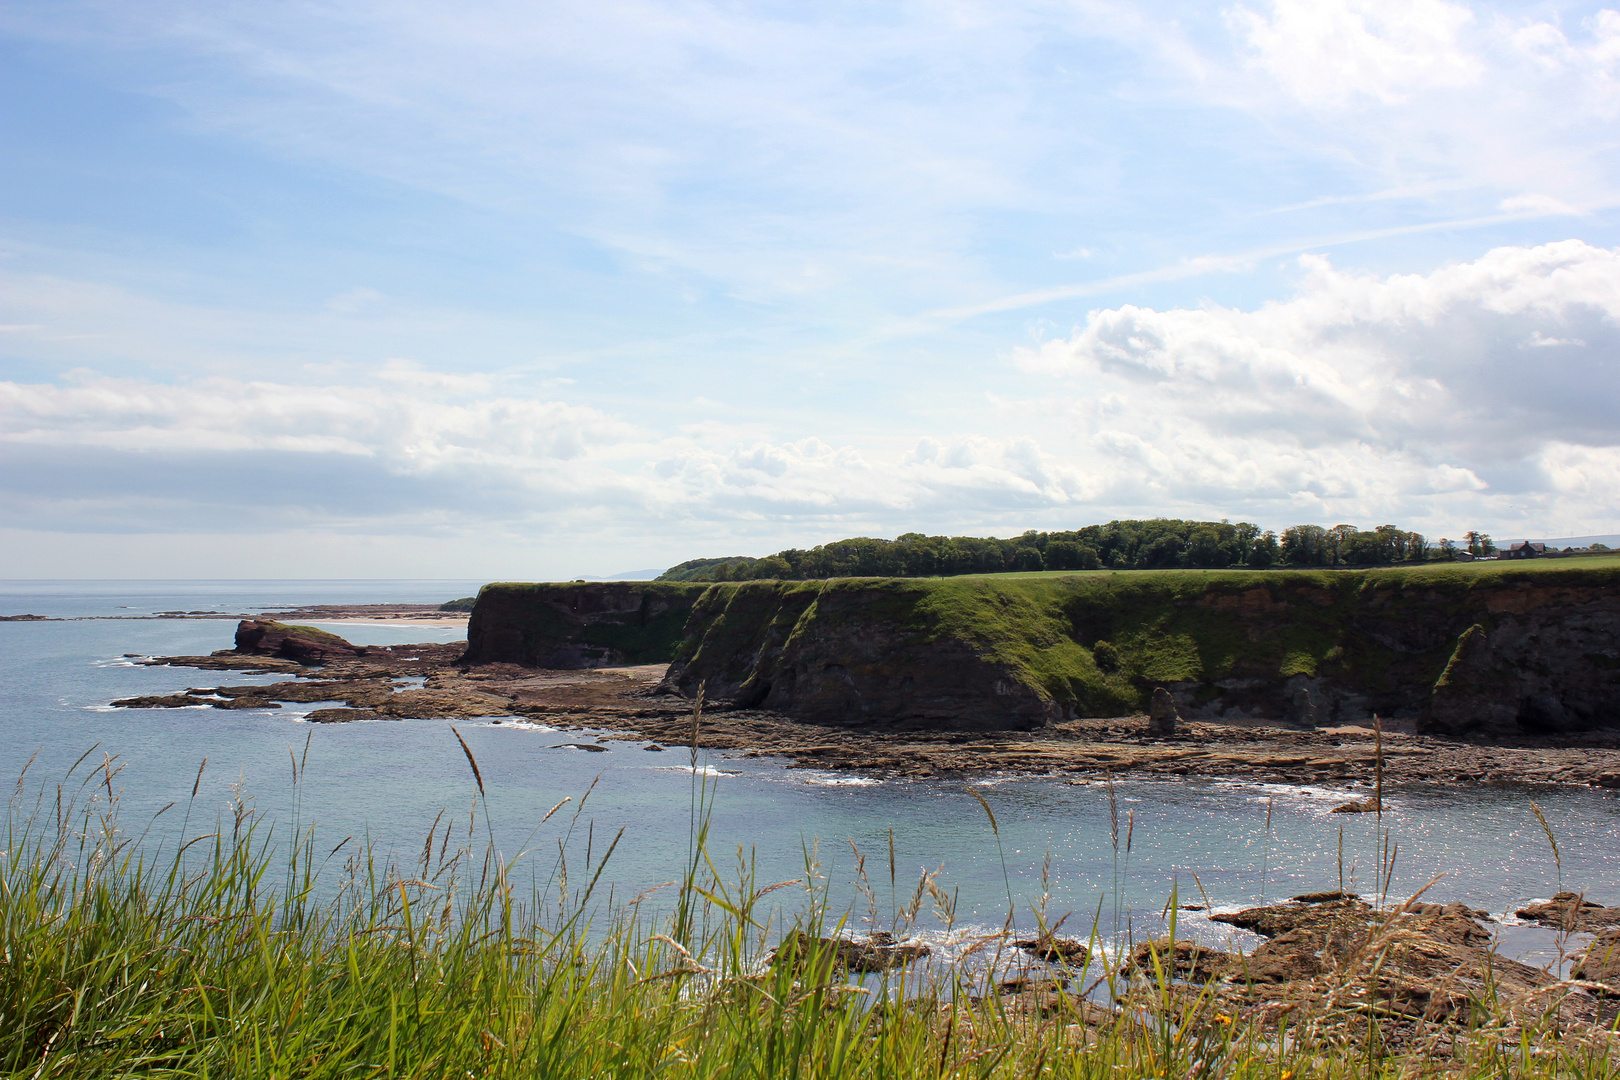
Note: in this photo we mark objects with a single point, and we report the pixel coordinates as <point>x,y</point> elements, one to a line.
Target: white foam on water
<point>518,725</point>
<point>701,770</point>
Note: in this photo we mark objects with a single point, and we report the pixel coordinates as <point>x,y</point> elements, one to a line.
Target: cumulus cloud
<point>1498,375</point>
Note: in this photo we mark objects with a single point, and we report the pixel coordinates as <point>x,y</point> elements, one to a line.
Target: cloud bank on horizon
<point>398,290</point>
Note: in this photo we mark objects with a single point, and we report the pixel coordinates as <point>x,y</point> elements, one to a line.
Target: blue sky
<point>538,290</point>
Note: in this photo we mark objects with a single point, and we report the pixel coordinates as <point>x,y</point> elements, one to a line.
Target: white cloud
<point>419,427</point>
<point>1485,393</point>
<point>1331,52</point>
<point>1361,392</point>
<point>1478,107</point>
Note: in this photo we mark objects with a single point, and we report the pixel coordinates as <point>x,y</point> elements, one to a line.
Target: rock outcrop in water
<point>1571,912</point>
<point>302,644</point>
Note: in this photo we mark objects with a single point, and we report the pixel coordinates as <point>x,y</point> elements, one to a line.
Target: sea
<point>998,848</point>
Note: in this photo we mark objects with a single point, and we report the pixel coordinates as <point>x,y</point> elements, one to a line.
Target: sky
<point>343,288</point>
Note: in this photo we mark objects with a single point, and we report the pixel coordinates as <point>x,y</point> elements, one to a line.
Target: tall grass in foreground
<point>237,956</point>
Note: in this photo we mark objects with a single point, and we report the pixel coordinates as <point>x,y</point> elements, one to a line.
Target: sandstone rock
<point>1601,960</point>
<point>245,702</point>
<point>1428,961</point>
<point>1571,911</point>
<point>880,953</point>
<point>1162,715</point>
<point>158,701</point>
<point>1025,984</point>
<point>304,644</point>
<point>343,716</point>
<point>346,690</point>
<point>1342,915</point>
<point>581,625</point>
<point>1181,960</point>
<point>1054,949</point>
<point>229,660</point>
<point>851,653</point>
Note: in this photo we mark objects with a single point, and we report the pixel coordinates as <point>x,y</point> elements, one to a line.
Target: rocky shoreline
<point>1400,973</point>
<point>1416,977</point>
<point>427,681</point>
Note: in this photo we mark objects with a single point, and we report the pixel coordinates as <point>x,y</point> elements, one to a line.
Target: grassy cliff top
<point>310,633</point>
<point>656,588</point>
<point>1097,639</point>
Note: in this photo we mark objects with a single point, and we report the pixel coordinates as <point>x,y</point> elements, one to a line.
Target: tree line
<point>1161,543</point>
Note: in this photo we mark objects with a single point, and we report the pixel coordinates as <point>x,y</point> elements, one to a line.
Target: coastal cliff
<point>1493,649</point>
<point>580,624</point>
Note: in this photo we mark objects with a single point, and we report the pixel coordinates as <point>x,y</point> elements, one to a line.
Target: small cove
<point>389,780</point>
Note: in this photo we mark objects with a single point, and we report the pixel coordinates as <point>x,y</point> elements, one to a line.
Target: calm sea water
<point>388,781</point>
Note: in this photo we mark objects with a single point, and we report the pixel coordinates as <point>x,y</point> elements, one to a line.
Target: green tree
<point>1204,547</point>
<point>1028,558</point>
<point>1265,551</point>
<point>1305,545</point>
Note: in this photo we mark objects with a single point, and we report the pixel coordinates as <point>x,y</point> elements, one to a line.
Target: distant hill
<point>628,575</point>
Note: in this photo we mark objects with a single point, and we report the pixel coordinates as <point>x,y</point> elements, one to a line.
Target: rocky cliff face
<point>1478,651</point>
<point>1486,649</point>
<point>850,652</point>
<point>580,625</point>
<point>1541,659</point>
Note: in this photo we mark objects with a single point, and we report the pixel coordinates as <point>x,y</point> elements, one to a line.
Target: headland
<point>1448,674</point>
